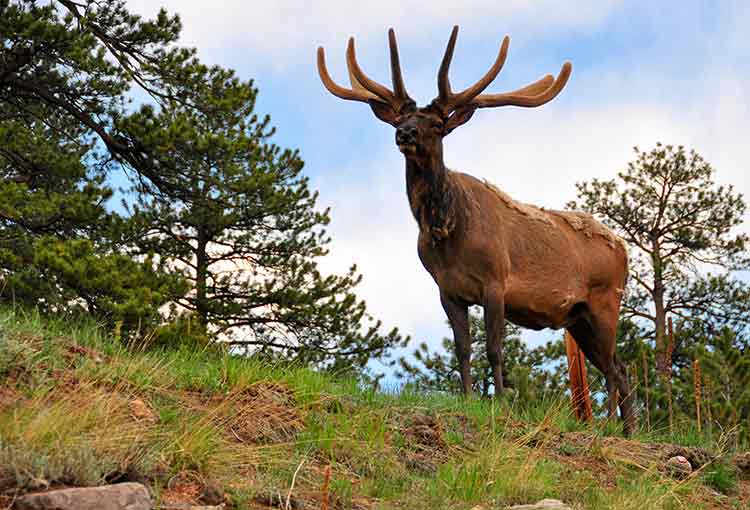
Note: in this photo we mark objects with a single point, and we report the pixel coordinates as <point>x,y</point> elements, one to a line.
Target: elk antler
<point>535,94</point>
<point>538,93</point>
<point>356,93</point>
<point>363,88</point>
<point>449,101</point>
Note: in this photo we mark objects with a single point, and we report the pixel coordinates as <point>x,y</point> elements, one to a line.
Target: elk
<point>537,268</point>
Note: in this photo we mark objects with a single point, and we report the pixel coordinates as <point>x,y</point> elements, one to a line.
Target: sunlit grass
<point>72,422</point>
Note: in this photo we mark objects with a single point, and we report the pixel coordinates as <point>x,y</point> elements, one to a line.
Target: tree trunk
<point>659,310</point>
<point>201,276</point>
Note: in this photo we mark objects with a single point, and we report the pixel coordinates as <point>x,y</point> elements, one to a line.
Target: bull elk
<point>539,268</point>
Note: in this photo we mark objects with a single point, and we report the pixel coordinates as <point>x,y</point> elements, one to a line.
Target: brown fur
<point>539,269</point>
<point>544,263</point>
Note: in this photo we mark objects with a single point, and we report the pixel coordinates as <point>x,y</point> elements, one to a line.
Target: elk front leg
<point>494,323</point>
<point>458,315</point>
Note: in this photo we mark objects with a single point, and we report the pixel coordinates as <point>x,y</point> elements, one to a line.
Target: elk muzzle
<point>406,138</point>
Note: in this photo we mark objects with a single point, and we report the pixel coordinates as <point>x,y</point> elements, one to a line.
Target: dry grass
<point>78,409</point>
<point>263,413</point>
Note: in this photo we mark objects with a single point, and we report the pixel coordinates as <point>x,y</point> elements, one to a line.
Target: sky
<point>671,71</point>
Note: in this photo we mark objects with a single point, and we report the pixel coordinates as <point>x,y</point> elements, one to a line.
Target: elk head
<point>420,131</point>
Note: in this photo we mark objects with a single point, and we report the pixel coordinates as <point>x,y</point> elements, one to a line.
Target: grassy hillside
<point>77,408</point>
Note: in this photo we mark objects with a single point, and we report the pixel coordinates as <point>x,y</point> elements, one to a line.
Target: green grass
<point>78,408</point>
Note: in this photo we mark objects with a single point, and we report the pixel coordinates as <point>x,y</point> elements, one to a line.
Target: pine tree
<point>56,249</point>
<point>239,221</point>
<point>67,71</point>
<point>724,357</point>
<point>678,224</point>
<point>77,60</point>
<point>63,76</point>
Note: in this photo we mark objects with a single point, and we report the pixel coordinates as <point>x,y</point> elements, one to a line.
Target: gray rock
<point>121,496</point>
<point>742,461</point>
<point>545,504</point>
<point>212,493</point>
<point>679,467</point>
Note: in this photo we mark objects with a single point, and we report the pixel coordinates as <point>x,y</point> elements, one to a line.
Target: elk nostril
<point>404,136</point>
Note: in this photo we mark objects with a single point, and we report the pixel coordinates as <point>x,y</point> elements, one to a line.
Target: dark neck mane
<point>435,199</point>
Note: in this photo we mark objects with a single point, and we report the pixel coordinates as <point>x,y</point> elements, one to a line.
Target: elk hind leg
<point>588,339</point>
<point>625,397</point>
<point>494,321</point>
<point>458,316</point>
<point>605,314</point>
<point>597,327</point>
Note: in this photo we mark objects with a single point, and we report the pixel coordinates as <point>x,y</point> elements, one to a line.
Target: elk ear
<point>384,112</point>
<point>459,117</point>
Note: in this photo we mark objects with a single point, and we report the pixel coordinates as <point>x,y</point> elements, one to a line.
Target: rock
<point>212,493</point>
<point>121,496</point>
<point>679,467</point>
<point>141,411</point>
<point>545,504</point>
<point>697,457</point>
<point>37,484</point>
<point>742,461</point>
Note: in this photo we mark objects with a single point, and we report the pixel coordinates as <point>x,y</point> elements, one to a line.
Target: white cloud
<point>372,225</point>
<point>535,155</point>
<point>290,29</point>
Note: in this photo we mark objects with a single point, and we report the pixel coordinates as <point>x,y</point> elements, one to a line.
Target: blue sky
<point>676,72</point>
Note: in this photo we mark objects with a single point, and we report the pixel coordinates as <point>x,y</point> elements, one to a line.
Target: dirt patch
<point>275,499</point>
<point>73,351</point>
<point>582,456</point>
<point>262,413</point>
<point>425,446</point>
<point>462,427</point>
<point>141,411</point>
<point>182,489</point>
<point>712,500</point>
<point>190,488</point>
<point>265,413</point>
<point>634,453</point>
<point>599,456</point>
<point>743,492</point>
<point>33,341</point>
<point>9,397</point>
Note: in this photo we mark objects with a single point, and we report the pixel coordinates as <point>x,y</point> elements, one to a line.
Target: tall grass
<point>268,432</point>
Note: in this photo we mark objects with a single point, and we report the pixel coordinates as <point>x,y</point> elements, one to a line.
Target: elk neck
<point>433,196</point>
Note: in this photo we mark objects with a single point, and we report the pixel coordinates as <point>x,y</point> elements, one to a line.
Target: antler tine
<point>476,89</point>
<point>444,85</point>
<point>352,94</point>
<point>536,94</point>
<point>449,101</point>
<point>376,88</point>
<point>535,88</point>
<point>399,88</point>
